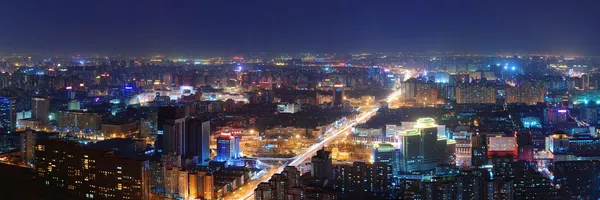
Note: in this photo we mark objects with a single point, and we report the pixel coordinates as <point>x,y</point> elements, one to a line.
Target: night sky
<point>237,26</point>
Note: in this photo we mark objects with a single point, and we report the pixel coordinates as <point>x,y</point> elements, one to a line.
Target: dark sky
<point>235,26</point>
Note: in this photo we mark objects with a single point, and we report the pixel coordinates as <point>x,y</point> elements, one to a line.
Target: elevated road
<point>247,191</point>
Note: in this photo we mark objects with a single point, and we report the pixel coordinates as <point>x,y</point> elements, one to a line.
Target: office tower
<point>8,114</point>
<point>198,140</point>
<point>338,95</point>
<point>527,92</point>
<point>421,149</point>
<point>40,109</point>
<point>171,135</point>
<point>322,167</point>
<point>475,94</point>
<point>387,154</point>
<point>228,147</point>
<point>100,170</point>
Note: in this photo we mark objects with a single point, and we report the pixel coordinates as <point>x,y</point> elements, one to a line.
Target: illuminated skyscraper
<point>8,114</point>
<point>228,147</point>
<point>422,148</point>
<point>198,140</point>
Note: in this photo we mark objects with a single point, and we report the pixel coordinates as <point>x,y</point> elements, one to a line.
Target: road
<point>247,191</point>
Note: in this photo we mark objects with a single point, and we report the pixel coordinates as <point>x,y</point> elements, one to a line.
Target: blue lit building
<point>8,114</point>
<point>228,147</point>
<point>531,122</point>
<point>8,121</point>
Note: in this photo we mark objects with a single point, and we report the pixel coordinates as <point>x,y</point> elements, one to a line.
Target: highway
<point>247,191</point>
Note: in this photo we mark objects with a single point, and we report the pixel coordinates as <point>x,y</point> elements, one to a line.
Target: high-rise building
<point>8,114</point>
<point>387,154</point>
<point>228,147</point>
<point>338,95</point>
<point>527,92</point>
<point>479,150</point>
<point>427,94</point>
<point>198,140</point>
<point>585,82</point>
<point>40,109</point>
<point>422,148</point>
<point>475,94</point>
<point>409,90</point>
<point>99,170</point>
<point>322,165</point>
<point>27,144</point>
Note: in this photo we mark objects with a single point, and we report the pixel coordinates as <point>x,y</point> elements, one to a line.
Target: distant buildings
<point>76,121</point>
<point>475,94</point>
<point>527,92</point>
